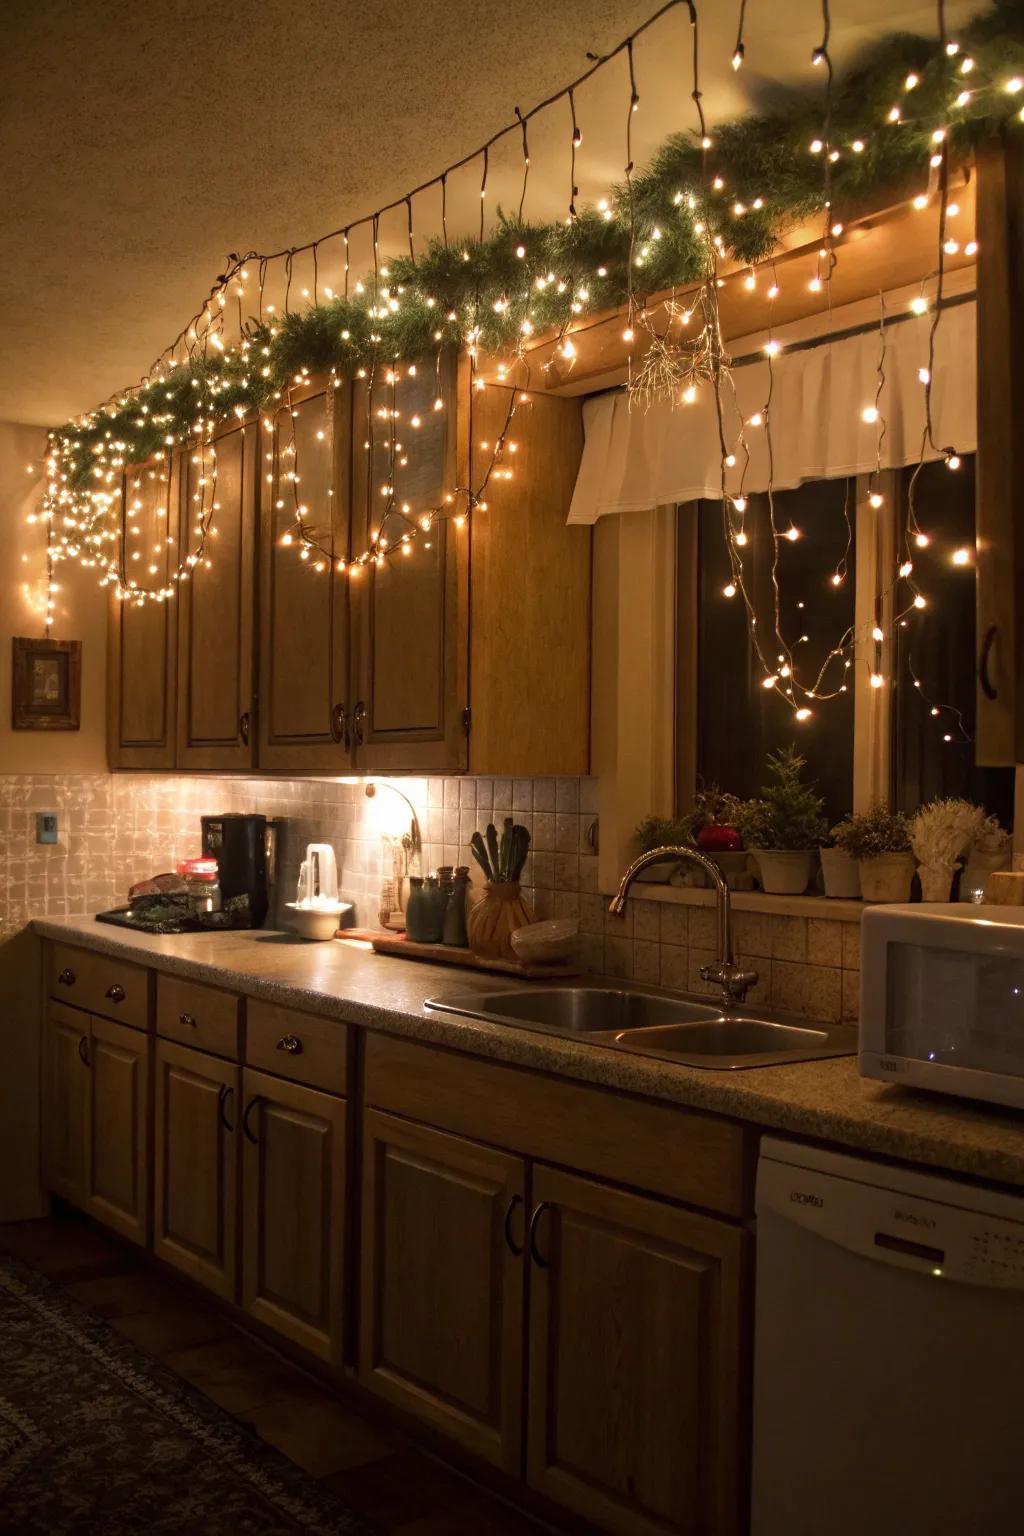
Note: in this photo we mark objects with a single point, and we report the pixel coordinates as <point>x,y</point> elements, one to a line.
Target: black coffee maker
<point>242,846</point>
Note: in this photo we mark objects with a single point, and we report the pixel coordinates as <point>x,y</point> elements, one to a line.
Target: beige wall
<point>80,615</point>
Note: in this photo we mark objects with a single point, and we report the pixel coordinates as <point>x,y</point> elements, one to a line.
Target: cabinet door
<point>215,638</point>
<point>530,586</point>
<point>1000,460</point>
<point>65,1108</point>
<point>293,1231</point>
<point>635,1337</point>
<point>142,651</point>
<point>195,1196</point>
<point>118,1191</point>
<point>304,697</point>
<point>410,613</point>
<point>442,1283</point>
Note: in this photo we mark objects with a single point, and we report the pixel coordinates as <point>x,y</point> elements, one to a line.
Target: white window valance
<point>635,458</point>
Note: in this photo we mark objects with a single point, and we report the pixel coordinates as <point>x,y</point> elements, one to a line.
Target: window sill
<point>752,901</point>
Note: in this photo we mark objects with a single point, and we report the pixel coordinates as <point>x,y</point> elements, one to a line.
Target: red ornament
<point>717,838</point>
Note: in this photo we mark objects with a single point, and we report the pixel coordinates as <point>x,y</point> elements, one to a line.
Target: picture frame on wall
<point>46,684</point>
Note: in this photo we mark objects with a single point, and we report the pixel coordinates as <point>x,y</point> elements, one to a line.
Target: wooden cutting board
<point>449,954</point>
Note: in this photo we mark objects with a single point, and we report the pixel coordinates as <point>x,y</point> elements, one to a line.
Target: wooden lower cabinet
<point>65,1107</point>
<point>635,1402</point>
<point>293,1227</point>
<point>119,1076</point>
<point>443,1281</point>
<point>195,1197</point>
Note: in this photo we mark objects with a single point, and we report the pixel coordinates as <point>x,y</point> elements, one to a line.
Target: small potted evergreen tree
<point>785,825</point>
<point>879,839</point>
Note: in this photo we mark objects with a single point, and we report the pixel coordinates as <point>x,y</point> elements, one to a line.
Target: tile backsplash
<point>115,829</point>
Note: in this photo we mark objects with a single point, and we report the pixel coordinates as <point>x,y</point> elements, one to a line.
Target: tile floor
<point>375,1470</point>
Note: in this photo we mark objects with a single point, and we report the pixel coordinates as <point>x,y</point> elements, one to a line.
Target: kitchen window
<point>866,742</point>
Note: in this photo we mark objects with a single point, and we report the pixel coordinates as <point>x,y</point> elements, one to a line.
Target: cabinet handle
<point>188,1021</point>
<point>67,977</point>
<point>224,1092</point>
<point>516,1248</point>
<point>245,1118</point>
<point>115,993</point>
<point>358,716</point>
<point>243,727</point>
<point>339,724</point>
<point>290,1043</point>
<point>535,1253</point>
<point>988,688</point>
<point>83,1049</point>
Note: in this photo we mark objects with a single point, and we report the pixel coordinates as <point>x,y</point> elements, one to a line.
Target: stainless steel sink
<point>584,1010</point>
<point>697,1032</point>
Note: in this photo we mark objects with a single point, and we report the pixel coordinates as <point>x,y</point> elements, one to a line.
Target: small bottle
<point>455,912</point>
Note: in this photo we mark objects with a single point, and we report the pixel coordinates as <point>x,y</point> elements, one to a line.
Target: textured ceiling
<point>144,142</point>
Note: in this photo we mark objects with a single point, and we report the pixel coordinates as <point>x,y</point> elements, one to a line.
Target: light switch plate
<point>46,826</point>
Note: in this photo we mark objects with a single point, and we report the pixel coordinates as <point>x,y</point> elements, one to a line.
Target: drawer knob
<point>187,1019</point>
<point>115,993</point>
<point>67,977</point>
<point>290,1043</point>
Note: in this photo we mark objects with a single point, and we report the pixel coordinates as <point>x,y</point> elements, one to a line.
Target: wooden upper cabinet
<point>1000,459</point>
<point>443,1283</point>
<point>410,615</point>
<point>118,1183</point>
<point>304,621</point>
<point>65,1107</point>
<point>195,1193</point>
<point>636,1410</point>
<point>530,583</point>
<point>216,729</point>
<point>141,712</point>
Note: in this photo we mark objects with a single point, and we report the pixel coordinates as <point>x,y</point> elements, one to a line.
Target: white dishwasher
<point>889,1351</point>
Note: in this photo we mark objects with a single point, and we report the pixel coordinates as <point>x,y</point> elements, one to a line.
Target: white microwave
<point>942,999</point>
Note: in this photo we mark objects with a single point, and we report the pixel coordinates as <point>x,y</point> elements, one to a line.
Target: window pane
<point>739,721</point>
<point>938,647</point>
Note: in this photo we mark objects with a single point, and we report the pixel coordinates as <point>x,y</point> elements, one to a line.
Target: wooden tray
<point>448,954</point>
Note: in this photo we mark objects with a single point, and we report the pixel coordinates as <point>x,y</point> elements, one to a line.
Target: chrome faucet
<point>725,973</point>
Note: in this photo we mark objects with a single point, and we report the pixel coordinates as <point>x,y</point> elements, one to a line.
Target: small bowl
<point>547,942</point>
<point>318,922</point>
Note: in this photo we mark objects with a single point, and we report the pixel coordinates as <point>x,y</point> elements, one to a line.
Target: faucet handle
<point>733,980</point>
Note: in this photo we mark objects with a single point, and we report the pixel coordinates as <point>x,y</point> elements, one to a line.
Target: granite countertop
<point>825,1099</point>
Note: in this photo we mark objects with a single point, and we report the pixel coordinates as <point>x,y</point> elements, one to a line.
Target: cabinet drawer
<point>296,1045</point>
<point>682,1153</point>
<point>196,1015</point>
<point>114,988</point>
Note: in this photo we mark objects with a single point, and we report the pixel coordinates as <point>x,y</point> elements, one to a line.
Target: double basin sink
<point>697,1032</point>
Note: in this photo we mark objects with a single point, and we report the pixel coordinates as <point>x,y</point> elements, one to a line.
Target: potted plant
<point>839,870</point>
<point>661,832</point>
<point>989,851</point>
<point>717,817</point>
<point>939,833</point>
<point>879,839</point>
<point>785,825</point>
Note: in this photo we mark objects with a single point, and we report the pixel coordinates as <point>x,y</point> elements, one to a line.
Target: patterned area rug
<point>96,1438</point>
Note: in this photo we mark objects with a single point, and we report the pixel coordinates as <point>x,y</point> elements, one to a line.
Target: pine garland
<point>540,277</point>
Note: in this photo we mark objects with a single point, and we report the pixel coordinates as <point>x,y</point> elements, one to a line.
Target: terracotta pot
<point>786,871</point>
<point>495,918</point>
<point>936,881</point>
<point>841,874</point>
<point>887,877</point>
